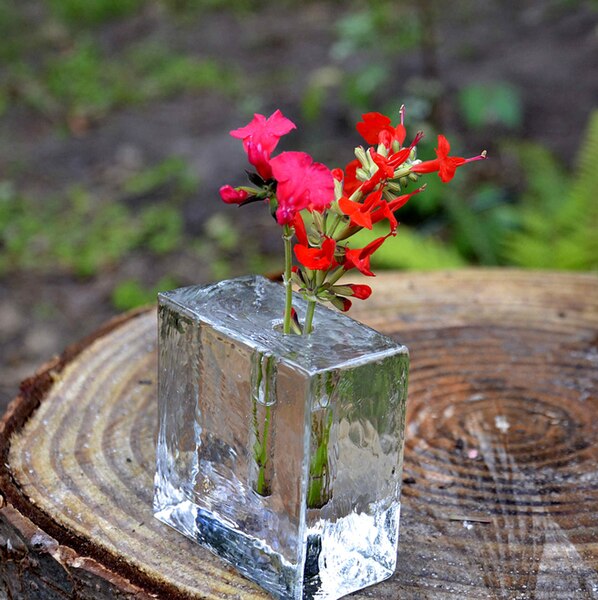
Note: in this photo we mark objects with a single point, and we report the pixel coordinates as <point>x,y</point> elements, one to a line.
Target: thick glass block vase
<point>280,453</point>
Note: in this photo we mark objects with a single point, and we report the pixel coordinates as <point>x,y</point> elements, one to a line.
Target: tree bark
<point>500,494</point>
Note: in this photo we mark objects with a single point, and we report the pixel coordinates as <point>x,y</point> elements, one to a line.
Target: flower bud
<point>382,149</point>
<point>338,174</point>
<point>362,156</point>
<point>355,290</point>
<point>394,186</point>
<point>343,304</point>
<point>362,292</point>
<point>362,174</point>
<point>232,195</point>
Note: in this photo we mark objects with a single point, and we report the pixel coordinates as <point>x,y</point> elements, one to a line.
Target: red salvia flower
<point>359,258</point>
<point>386,165</point>
<point>361,214</point>
<point>302,184</point>
<point>387,209</point>
<point>260,138</point>
<point>377,129</point>
<point>445,165</point>
<point>317,259</point>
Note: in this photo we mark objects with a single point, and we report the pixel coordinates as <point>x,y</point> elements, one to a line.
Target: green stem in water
<point>309,317</point>
<point>319,492</point>
<point>287,236</point>
<point>262,485</point>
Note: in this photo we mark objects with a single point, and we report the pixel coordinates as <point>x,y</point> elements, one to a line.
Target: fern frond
<point>560,218</point>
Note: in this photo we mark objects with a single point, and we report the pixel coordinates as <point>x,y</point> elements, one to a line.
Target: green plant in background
<point>411,250</point>
<point>131,293</point>
<point>84,82</point>
<point>92,12</point>
<point>171,177</point>
<point>79,233</point>
<point>559,222</point>
<point>492,103</point>
<point>368,38</point>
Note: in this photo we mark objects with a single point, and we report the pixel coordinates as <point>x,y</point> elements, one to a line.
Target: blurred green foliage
<point>92,12</point>
<point>84,83</point>
<point>492,103</point>
<point>132,293</point>
<point>558,215</point>
<point>409,250</point>
<point>81,234</point>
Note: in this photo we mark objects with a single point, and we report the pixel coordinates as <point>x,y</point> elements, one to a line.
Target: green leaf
<point>487,104</point>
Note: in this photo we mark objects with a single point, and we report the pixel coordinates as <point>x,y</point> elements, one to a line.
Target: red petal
<point>300,232</point>
<point>443,147</point>
<point>371,126</point>
<point>348,206</point>
<point>428,166</point>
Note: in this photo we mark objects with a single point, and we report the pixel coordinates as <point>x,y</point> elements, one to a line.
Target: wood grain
<point>500,487</point>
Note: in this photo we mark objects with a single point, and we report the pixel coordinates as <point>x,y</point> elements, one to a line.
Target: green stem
<point>262,484</point>
<point>336,276</point>
<point>309,317</point>
<point>288,263</point>
<point>319,491</point>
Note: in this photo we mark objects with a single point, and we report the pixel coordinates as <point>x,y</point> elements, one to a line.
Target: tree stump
<point>500,494</point>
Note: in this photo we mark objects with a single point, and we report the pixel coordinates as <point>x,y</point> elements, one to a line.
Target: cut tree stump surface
<point>500,493</point>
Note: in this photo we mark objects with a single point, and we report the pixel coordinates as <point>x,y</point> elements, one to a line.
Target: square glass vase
<point>282,454</point>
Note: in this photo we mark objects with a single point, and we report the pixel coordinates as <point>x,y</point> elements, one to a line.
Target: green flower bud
<point>394,186</point>
<point>362,174</point>
<point>361,156</point>
<point>381,149</point>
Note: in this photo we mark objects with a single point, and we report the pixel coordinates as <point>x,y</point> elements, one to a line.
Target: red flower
<point>387,209</point>
<point>360,257</point>
<point>260,138</point>
<point>317,259</point>
<point>377,129</point>
<point>362,214</point>
<point>230,195</point>
<point>386,167</point>
<point>302,184</point>
<point>445,165</point>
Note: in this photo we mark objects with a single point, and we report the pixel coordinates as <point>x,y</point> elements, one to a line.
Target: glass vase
<point>280,453</point>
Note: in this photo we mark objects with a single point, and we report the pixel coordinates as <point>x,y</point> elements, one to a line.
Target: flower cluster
<point>323,209</point>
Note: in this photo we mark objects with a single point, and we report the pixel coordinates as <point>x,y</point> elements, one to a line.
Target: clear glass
<point>280,453</point>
